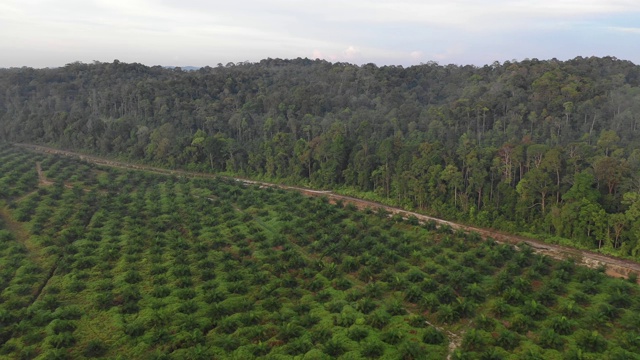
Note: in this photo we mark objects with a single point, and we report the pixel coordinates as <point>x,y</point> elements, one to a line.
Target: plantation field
<point>100,262</point>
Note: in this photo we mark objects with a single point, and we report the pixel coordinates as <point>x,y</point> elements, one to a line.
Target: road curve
<point>615,267</point>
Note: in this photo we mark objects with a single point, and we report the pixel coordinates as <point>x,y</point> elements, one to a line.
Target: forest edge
<point>614,267</point>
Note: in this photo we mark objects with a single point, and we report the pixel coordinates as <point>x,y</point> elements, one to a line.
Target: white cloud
<point>351,52</point>
<point>450,53</point>
<point>203,32</point>
<point>628,30</point>
<point>465,14</point>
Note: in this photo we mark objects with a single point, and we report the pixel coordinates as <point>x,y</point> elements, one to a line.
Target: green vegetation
<point>544,148</point>
<point>123,264</point>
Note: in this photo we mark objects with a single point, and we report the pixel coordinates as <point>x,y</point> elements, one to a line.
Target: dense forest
<point>549,148</point>
<point>101,262</point>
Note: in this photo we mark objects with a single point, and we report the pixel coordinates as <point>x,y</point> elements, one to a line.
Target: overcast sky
<point>50,33</point>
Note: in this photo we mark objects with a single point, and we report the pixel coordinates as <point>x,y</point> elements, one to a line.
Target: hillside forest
<point>547,148</point>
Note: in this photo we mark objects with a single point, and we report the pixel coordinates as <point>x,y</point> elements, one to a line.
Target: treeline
<point>546,147</point>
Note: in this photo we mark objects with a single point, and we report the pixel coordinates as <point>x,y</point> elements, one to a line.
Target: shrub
<point>412,350</point>
<point>185,294</point>
<point>513,296</point>
<point>464,308</point>
<point>323,296</point>
<point>592,341</point>
<point>545,296</point>
<point>562,325</point>
<point>343,284</point>
<point>396,308</point>
<point>335,306</point>
<point>49,302</point>
<point>378,319</point>
<point>56,354</point>
<point>334,348</point>
<point>372,349</point>
<point>492,354</point>
<point>216,296</point>
<point>71,312</point>
<point>392,337</point>
<point>58,326</point>
<point>474,340</point>
<point>429,302</point>
<point>298,347</point>
<point>227,342</point>
<point>418,321</point>
<point>95,348</point>
<point>475,292</point>
<point>570,309</point>
<point>521,323</point>
<point>507,340</point>
<point>321,335</point>
<point>428,285</point>
<point>580,298</point>
<point>590,287</point>
<point>619,299</point>
<point>258,350</point>
<point>228,325</point>
<point>134,329</point>
<point>550,339</point>
<point>188,307</point>
<point>161,292</point>
<point>433,336</point>
<point>446,295</point>
<point>357,333</point>
<point>290,331</point>
<point>447,314</point>
<point>61,340</point>
<point>485,323</point>
<point>534,309</point>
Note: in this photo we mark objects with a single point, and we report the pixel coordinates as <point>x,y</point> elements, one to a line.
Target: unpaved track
<point>614,266</point>
<point>42,180</point>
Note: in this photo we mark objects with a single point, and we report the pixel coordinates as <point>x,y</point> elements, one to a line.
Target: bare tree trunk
<point>558,185</point>
<point>591,129</point>
<point>455,196</point>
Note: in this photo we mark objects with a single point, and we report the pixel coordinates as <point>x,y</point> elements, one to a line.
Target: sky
<point>52,33</point>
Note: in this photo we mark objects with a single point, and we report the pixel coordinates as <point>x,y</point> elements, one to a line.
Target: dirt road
<point>614,266</point>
